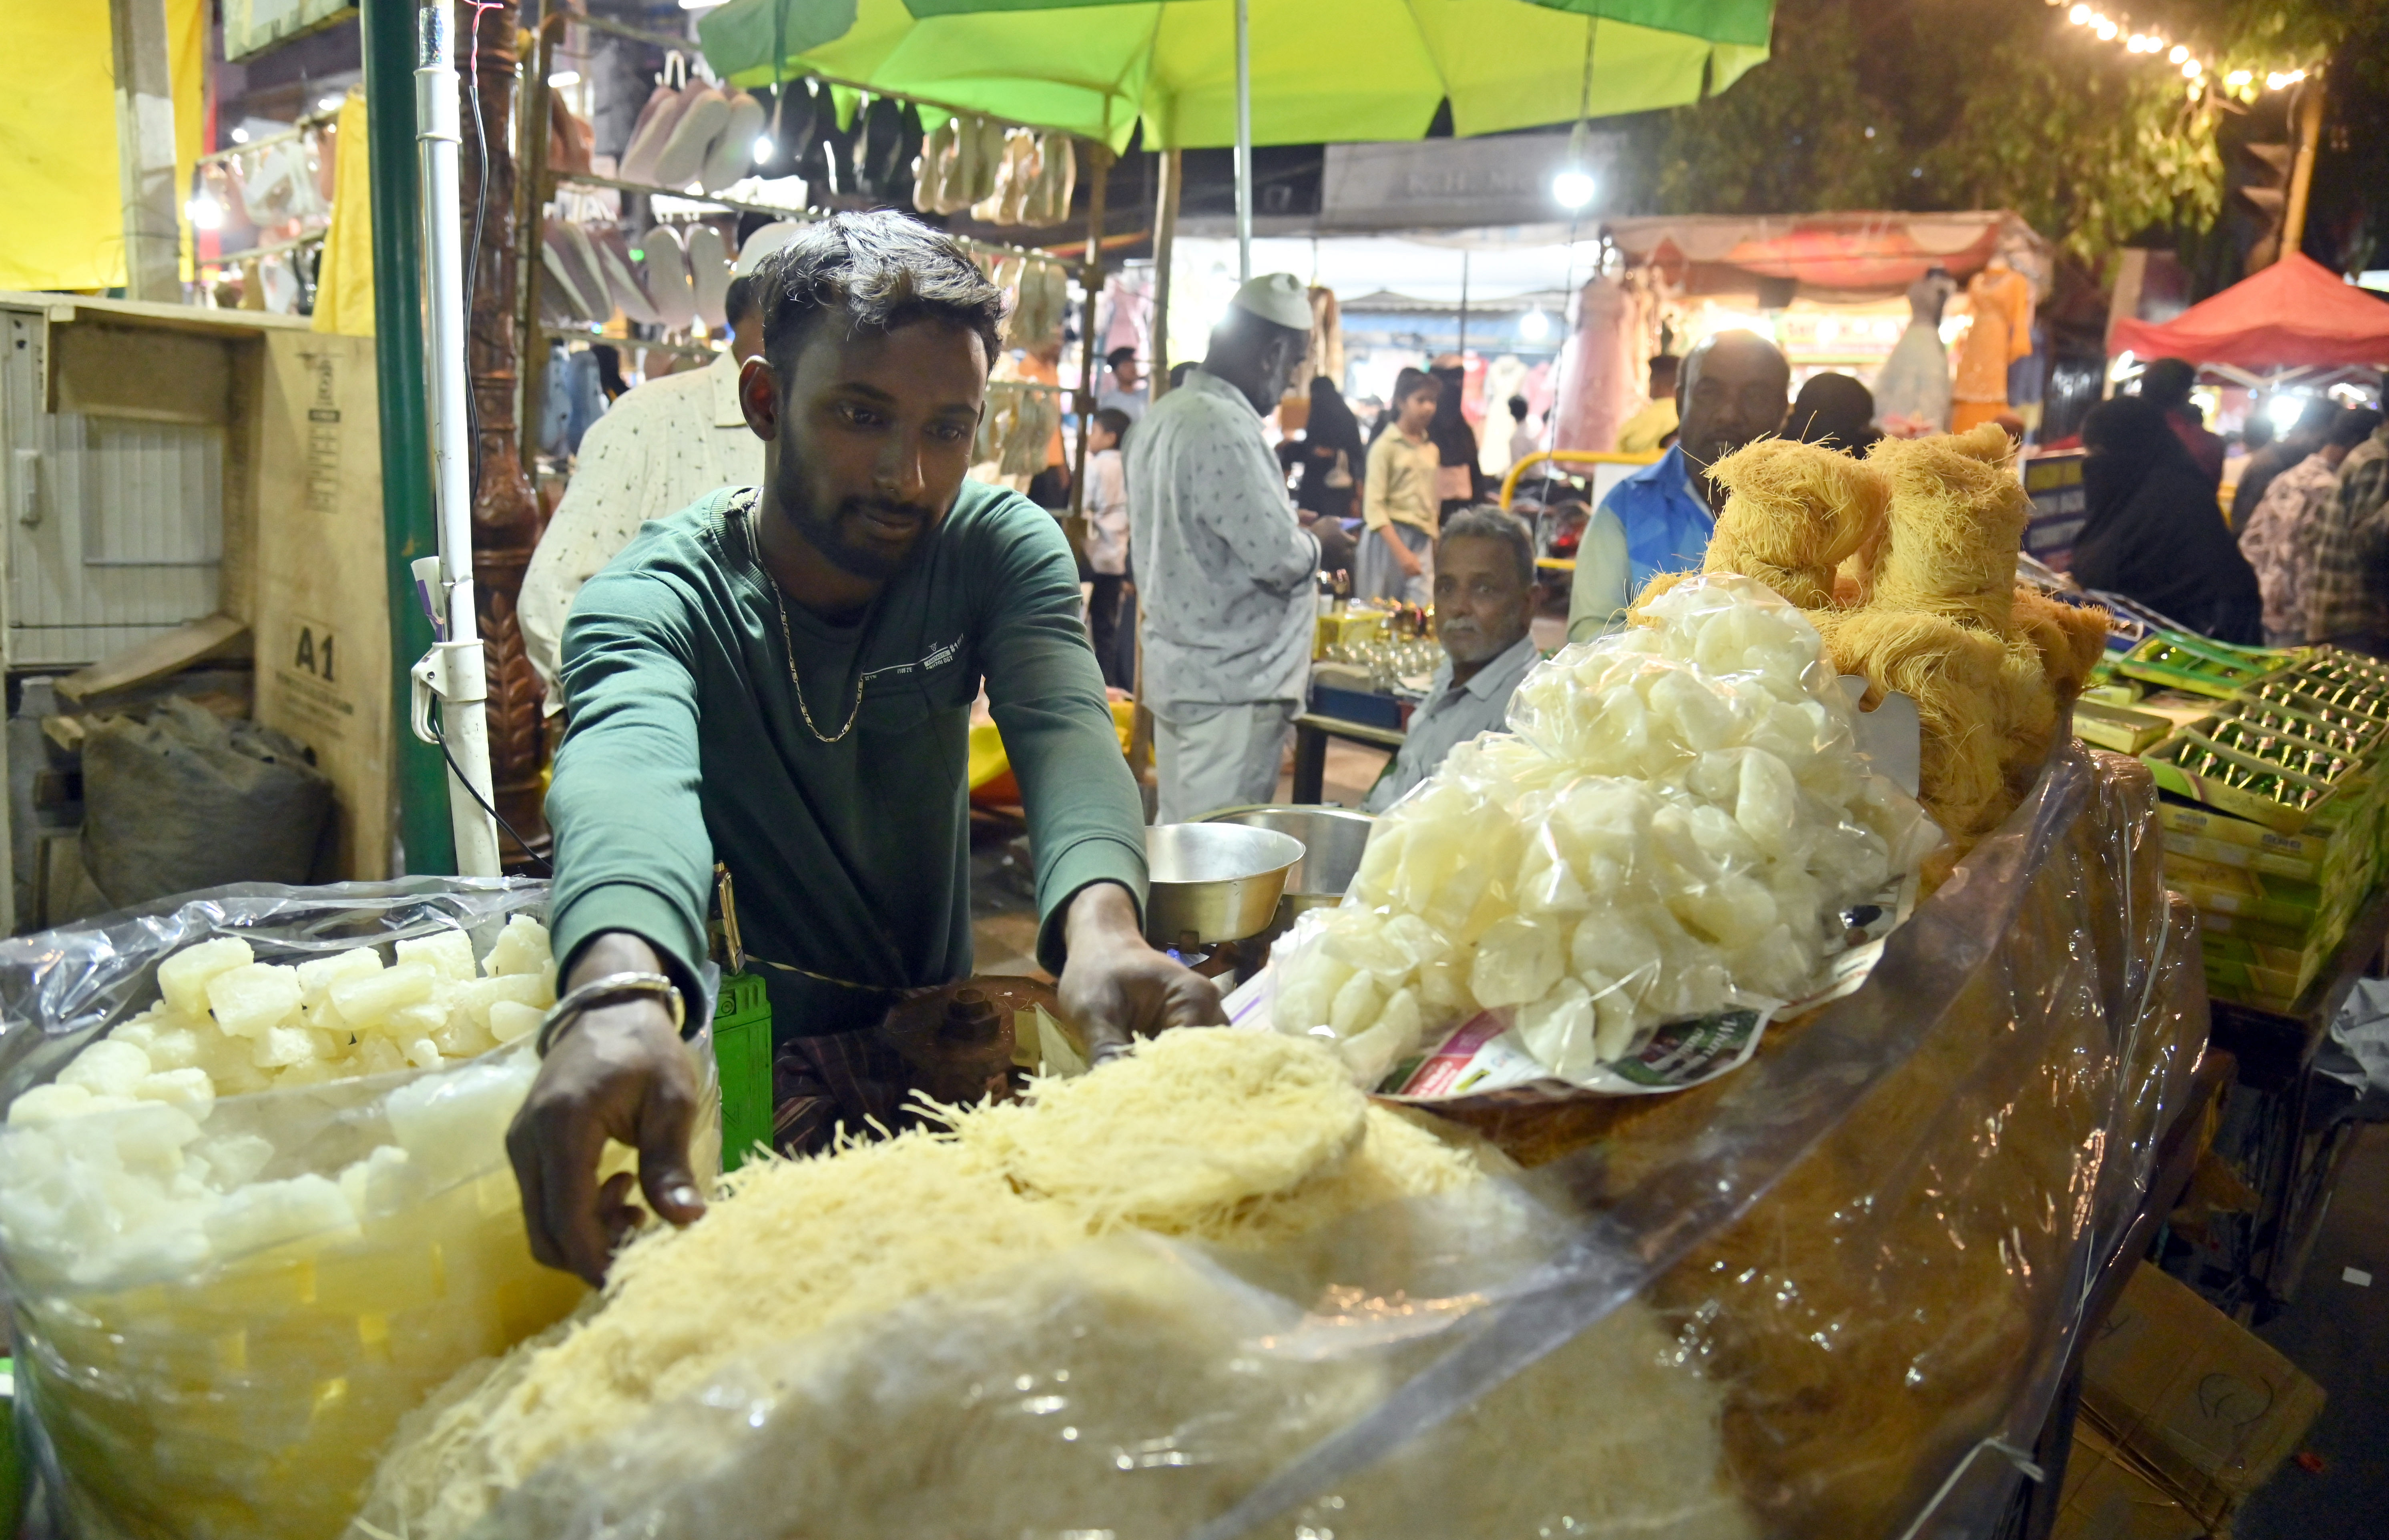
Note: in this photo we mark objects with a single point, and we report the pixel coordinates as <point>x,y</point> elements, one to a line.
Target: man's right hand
<point>619,1071</point>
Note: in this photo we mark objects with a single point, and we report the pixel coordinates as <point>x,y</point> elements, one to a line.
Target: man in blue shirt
<point>1733,389</point>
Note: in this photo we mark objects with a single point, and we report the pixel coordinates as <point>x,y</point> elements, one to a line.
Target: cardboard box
<point>2107,1499</point>
<point>321,607</point>
<point>2182,819</point>
<point>2192,1399</point>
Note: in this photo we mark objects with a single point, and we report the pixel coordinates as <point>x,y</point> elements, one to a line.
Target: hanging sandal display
<point>734,147</point>
<point>656,119</point>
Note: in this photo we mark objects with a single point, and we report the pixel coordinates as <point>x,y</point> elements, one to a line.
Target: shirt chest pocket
<point>901,702</point>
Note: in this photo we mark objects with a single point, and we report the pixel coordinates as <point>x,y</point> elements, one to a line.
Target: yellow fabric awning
<point>57,120</point>
<point>344,283</point>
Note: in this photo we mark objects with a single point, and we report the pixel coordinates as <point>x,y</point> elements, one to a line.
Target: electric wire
<point>440,732</point>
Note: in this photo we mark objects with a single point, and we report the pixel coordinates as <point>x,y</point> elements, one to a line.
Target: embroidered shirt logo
<point>938,658</point>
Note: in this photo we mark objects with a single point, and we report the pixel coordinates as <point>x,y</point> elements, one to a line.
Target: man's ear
<point>758,397</point>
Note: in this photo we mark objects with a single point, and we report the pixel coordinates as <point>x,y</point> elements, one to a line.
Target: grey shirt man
<point>1451,717</point>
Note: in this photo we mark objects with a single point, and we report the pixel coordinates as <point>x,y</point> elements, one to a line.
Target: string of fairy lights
<point>2200,73</point>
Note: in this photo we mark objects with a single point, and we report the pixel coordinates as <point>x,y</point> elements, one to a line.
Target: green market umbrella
<point>1203,73</point>
<point>1322,70</point>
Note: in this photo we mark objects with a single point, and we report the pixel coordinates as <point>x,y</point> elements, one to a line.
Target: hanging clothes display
<point>1601,375</point>
<point>1326,354</point>
<point>2027,375</point>
<point>1911,390</point>
<point>1504,378</point>
<point>2000,299</point>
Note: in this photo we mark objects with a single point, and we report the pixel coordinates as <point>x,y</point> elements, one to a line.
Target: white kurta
<point>1223,567</point>
<point>660,447</point>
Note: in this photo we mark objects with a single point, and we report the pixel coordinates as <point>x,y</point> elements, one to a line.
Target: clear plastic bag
<point>370,1242</point>
<point>1679,827</point>
<point>1815,1298</point>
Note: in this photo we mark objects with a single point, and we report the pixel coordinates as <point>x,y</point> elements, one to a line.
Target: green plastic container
<point>12,1482</point>
<point>742,1048</point>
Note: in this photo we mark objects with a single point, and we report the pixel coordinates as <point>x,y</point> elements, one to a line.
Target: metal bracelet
<point>609,989</point>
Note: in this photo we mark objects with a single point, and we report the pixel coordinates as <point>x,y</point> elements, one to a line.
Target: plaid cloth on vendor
<point>2346,595</point>
<point>2279,542</point>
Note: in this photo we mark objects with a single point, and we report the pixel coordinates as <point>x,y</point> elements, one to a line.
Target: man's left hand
<point>1115,987</point>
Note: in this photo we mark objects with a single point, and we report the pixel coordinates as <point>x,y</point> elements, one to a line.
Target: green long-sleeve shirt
<point>849,858</point>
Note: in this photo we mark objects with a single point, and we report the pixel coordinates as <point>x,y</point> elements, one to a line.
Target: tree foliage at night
<point>1956,103</point>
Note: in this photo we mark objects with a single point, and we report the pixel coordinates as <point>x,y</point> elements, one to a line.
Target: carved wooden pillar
<point>505,513</point>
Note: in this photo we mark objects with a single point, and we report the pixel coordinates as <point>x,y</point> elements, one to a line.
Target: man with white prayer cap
<point>1224,568</point>
<point>659,449</point>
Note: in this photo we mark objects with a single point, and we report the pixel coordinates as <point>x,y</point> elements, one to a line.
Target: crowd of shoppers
<point>2277,537</point>
<point>2348,588</point>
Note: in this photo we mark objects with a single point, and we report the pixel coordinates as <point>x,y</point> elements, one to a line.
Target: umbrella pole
<point>1244,144</point>
<point>1165,241</point>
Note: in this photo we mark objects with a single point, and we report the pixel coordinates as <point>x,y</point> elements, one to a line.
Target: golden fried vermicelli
<point>1906,562</point>
<point>1792,513</point>
<point>1957,515</point>
<point>1953,673</point>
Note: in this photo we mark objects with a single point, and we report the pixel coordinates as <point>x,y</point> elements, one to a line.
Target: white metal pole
<point>1244,144</point>
<point>458,674</point>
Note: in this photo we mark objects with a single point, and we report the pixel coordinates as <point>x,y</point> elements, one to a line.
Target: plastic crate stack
<point>2273,804</point>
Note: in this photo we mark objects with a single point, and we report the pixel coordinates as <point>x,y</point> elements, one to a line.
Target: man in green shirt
<point>780,678</point>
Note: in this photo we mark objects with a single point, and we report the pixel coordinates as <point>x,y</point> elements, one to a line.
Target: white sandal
<point>664,264</point>
<point>709,274</point>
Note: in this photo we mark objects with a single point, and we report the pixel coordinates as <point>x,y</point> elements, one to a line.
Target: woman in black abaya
<point>2152,532</point>
<point>1462,483</point>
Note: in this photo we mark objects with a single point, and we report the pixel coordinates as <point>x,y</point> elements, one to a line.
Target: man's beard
<point>839,533</point>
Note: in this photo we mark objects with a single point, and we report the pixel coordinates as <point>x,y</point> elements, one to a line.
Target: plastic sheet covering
<point>1677,831</point>
<point>1816,1297</point>
<point>249,1397</point>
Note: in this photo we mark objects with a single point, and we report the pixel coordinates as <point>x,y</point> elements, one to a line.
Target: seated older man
<point>1484,603</point>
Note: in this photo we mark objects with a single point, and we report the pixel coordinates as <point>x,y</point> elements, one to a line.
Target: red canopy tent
<point>2296,313</point>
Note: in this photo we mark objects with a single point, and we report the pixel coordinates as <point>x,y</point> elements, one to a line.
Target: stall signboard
<point>1454,184</point>
<point>252,26</point>
<point>1840,337</point>
<point>2054,484</point>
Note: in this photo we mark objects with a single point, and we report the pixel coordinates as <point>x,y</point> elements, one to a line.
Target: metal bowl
<point>1332,839</point>
<point>1214,882</point>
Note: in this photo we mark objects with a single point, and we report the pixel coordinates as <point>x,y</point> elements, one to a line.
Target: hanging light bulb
<point>1572,186</point>
<point>204,211</point>
<point>1535,326</point>
<point>2079,15</point>
<point>2239,77</point>
<point>2191,69</point>
<point>2179,54</point>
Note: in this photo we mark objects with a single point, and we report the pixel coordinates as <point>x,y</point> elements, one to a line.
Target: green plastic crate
<point>742,1048</point>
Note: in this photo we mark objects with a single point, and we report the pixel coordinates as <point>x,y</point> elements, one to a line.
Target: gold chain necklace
<point>789,646</point>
